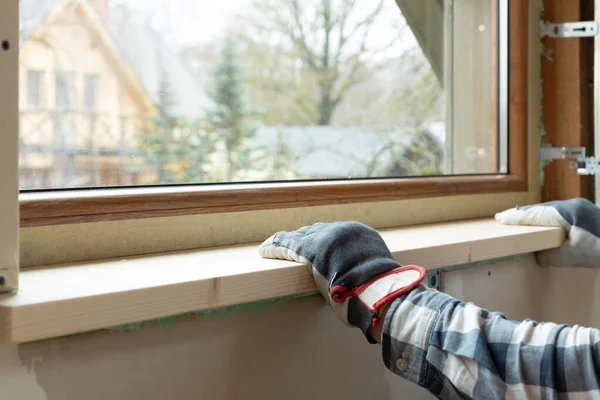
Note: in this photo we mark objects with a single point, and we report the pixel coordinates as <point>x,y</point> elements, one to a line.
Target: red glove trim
<point>339,293</point>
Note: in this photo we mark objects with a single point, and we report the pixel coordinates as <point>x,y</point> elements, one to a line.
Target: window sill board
<point>63,300</point>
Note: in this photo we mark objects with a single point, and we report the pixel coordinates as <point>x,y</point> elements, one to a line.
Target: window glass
<point>148,92</point>
<point>35,93</point>
<point>64,90</point>
<point>90,93</point>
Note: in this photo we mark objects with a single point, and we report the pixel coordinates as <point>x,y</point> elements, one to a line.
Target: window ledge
<point>63,300</point>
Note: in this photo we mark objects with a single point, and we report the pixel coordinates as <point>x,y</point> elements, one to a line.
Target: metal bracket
<point>587,166</point>
<point>562,153</point>
<point>584,165</point>
<point>433,279</point>
<point>569,29</point>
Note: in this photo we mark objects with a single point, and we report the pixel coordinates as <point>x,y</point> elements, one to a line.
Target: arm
<point>452,348</point>
<point>456,350</point>
<point>579,219</point>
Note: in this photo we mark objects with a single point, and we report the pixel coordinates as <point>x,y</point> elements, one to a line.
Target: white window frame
<point>9,132</point>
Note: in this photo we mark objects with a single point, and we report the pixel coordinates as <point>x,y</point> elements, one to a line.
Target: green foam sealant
<point>256,306</point>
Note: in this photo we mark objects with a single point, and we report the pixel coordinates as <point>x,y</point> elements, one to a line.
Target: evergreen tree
<point>157,142</point>
<point>232,115</point>
<point>195,144</point>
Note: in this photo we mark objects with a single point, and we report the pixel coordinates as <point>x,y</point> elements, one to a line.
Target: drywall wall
<point>511,287</point>
<point>525,290</point>
<point>570,296</point>
<point>297,350</point>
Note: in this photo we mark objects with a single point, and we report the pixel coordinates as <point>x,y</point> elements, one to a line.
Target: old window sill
<point>69,299</point>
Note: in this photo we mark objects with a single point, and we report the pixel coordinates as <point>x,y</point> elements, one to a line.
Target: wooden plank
<point>567,106</point>
<point>69,299</point>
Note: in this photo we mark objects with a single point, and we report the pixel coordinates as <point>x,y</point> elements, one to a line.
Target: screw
<point>5,45</point>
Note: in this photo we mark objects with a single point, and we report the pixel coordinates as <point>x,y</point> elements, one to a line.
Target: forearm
<point>455,349</point>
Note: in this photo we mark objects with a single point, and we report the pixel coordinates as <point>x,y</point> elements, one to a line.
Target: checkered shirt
<point>457,350</point>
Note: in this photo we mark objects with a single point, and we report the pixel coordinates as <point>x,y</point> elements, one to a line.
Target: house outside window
<point>63,90</point>
<point>35,89</point>
<point>90,93</point>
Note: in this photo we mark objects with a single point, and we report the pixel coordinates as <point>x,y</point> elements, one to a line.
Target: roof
<point>332,152</point>
<point>145,52</point>
<point>31,14</point>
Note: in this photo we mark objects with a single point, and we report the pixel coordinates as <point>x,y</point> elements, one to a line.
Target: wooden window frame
<point>94,205</point>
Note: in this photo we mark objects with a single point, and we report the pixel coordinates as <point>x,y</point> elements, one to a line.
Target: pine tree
<point>195,144</point>
<point>157,142</point>
<point>232,115</point>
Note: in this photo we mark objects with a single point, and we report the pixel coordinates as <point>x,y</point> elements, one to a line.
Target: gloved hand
<point>352,266</point>
<point>579,218</point>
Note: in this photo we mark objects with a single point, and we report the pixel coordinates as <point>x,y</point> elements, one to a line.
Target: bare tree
<point>324,47</point>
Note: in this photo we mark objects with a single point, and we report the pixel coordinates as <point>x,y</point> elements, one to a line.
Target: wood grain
<point>518,112</point>
<point>76,298</point>
<point>567,68</point>
<point>82,206</point>
<point>61,207</point>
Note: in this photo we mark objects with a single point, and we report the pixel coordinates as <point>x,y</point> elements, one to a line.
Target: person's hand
<point>352,267</point>
<point>579,218</point>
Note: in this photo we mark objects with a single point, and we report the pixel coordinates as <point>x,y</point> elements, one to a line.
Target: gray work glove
<point>579,218</point>
<point>352,267</point>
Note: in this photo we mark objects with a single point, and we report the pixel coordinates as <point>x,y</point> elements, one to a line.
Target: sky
<point>201,21</point>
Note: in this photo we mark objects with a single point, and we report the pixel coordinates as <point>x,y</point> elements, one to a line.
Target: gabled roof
<point>142,52</point>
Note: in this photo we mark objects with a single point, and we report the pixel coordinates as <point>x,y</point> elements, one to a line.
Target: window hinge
<point>584,165</point>
<point>569,29</point>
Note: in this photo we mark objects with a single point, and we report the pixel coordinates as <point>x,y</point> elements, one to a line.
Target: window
<point>281,103</point>
<point>90,93</point>
<point>63,91</point>
<point>35,89</point>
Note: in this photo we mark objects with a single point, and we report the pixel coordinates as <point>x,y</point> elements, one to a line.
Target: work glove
<point>352,267</point>
<point>580,220</point>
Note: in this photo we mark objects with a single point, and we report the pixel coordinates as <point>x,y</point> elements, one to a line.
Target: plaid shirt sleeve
<point>457,350</point>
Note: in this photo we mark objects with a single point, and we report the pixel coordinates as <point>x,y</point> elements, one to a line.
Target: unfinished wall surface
<point>571,296</point>
<point>523,289</point>
<point>293,351</point>
<point>511,287</point>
